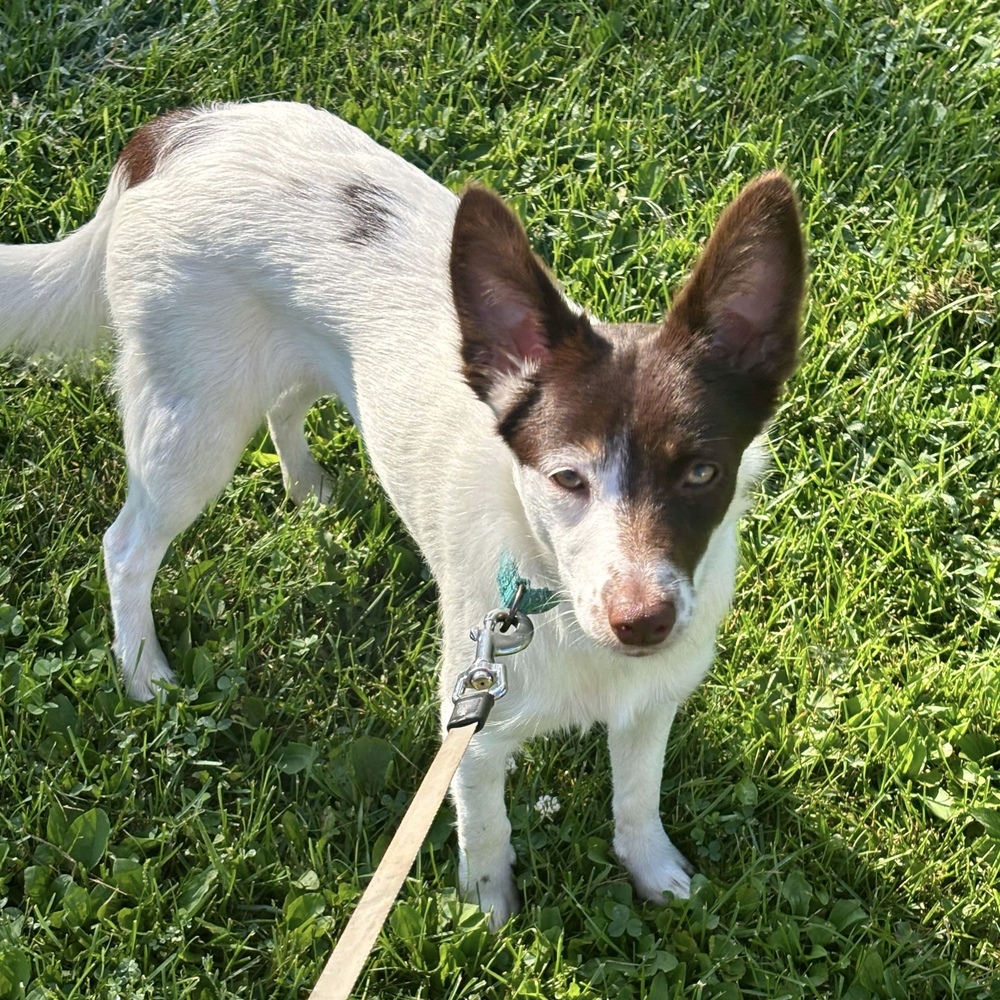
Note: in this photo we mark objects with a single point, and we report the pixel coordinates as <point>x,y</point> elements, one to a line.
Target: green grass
<point>837,778</point>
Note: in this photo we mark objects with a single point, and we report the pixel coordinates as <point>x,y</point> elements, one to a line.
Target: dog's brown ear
<point>745,294</point>
<point>510,312</point>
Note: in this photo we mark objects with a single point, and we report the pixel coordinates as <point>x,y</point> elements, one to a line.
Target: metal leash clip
<point>502,633</point>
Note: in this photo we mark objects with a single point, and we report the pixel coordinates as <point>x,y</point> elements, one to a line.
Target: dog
<point>252,258</point>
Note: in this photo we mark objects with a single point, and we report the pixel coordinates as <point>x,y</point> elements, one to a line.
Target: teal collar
<point>535,599</point>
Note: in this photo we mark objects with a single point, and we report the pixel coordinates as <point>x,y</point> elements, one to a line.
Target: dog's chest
<point>559,687</point>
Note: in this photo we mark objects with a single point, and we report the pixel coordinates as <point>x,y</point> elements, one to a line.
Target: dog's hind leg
<point>181,448</point>
<point>302,474</point>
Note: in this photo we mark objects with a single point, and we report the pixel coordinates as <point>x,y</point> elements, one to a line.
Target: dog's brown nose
<point>643,624</point>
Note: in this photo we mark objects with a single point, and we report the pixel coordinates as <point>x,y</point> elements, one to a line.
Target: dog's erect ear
<point>510,312</point>
<point>745,293</point>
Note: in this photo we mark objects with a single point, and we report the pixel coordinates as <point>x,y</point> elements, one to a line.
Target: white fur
<point>233,301</point>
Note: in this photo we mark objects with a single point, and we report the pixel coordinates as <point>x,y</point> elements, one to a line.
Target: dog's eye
<point>569,480</point>
<point>701,474</point>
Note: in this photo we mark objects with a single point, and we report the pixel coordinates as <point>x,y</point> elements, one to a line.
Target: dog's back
<point>250,258</point>
<point>275,247</point>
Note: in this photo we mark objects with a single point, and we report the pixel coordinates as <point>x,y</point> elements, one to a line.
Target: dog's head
<point>629,437</point>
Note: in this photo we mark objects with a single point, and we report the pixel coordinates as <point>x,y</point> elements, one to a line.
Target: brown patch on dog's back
<point>149,146</point>
<point>373,211</point>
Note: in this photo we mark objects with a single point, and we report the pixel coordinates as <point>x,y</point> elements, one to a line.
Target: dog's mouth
<point>637,652</point>
<point>641,652</point>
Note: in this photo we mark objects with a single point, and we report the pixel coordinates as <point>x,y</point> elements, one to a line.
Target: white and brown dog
<point>252,258</point>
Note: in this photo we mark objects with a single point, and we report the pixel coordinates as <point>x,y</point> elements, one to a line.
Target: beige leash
<point>348,959</point>
<point>502,633</point>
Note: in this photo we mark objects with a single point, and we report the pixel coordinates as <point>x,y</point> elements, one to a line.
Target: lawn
<point>836,780</point>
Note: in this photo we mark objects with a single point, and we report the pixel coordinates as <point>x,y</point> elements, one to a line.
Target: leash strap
<point>348,959</point>
<point>475,692</point>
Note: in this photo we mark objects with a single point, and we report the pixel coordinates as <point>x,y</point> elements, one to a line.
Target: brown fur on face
<point>652,399</point>
<point>653,413</point>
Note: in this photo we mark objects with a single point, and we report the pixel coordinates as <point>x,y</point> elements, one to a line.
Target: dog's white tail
<point>52,294</point>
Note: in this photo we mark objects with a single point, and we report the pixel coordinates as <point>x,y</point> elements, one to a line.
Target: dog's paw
<point>496,895</point>
<point>310,481</point>
<point>143,683</point>
<point>656,869</point>
<point>490,885</point>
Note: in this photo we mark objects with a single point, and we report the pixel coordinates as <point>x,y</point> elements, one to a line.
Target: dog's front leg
<point>485,853</point>
<point>642,845</point>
